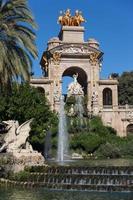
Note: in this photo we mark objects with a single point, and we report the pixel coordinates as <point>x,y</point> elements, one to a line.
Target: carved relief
<point>74,50</point>
<point>56,93</point>
<point>129,116</point>
<point>93,58</point>
<point>56,58</point>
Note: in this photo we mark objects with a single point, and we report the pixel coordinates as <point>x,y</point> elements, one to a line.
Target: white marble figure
<point>16,137</point>
<point>75,88</point>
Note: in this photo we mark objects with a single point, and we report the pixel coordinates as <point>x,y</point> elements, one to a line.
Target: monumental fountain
<point>66,175</point>
<point>77,176</point>
<point>62,174</point>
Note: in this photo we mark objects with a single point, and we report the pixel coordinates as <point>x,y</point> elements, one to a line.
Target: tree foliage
<point>90,138</point>
<point>17,41</point>
<point>100,140</point>
<point>126,88</point>
<point>25,103</point>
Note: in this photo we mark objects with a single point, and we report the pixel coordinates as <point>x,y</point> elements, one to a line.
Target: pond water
<point>42,194</point>
<point>97,162</point>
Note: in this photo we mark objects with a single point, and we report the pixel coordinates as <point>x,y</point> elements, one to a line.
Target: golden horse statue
<point>65,19</point>
<point>77,19</point>
<point>68,20</point>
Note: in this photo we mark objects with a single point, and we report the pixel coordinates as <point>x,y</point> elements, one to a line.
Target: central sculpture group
<point>75,88</point>
<point>67,20</point>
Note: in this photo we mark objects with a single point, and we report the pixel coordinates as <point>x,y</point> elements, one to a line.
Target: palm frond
<point>17,41</point>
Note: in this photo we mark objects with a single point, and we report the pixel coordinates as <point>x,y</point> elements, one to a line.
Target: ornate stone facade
<point>69,54</point>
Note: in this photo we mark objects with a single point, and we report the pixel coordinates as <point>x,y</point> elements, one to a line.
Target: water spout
<point>47,145</point>
<point>62,152</point>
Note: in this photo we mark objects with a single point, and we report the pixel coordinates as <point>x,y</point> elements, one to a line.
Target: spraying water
<point>47,145</point>
<point>62,152</point>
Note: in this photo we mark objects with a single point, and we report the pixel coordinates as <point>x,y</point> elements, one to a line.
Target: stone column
<point>115,97</point>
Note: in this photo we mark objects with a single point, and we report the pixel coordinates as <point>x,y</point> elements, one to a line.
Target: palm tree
<point>17,41</point>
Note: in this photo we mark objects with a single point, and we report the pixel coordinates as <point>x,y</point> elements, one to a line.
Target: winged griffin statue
<point>16,137</point>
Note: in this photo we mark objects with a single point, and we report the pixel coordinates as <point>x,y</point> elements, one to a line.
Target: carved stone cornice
<point>108,82</point>
<point>75,50</point>
<point>40,81</point>
<point>128,120</point>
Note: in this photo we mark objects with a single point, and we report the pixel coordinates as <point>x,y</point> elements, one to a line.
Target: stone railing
<point>120,107</point>
<point>126,106</point>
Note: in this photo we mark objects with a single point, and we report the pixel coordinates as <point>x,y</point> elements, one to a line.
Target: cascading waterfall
<point>62,153</point>
<point>89,178</point>
<point>79,108</point>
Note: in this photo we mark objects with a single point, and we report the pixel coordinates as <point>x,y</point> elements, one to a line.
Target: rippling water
<point>42,194</point>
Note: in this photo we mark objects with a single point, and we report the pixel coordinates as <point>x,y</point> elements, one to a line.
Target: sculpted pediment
<point>74,49</point>
<point>70,51</point>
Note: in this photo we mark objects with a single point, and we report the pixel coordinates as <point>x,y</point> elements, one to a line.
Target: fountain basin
<point>86,178</point>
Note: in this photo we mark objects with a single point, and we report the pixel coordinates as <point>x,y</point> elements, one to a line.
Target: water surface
<point>42,194</point>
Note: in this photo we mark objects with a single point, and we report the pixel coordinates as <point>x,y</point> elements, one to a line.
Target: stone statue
<point>56,96</point>
<point>16,137</point>
<point>75,88</point>
<point>95,96</point>
<point>75,76</point>
<point>68,20</point>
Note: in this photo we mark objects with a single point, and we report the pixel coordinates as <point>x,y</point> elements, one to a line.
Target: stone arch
<point>107,97</point>
<point>129,129</point>
<point>41,90</point>
<point>82,76</point>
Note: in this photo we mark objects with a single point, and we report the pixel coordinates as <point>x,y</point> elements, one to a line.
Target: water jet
<point>62,151</point>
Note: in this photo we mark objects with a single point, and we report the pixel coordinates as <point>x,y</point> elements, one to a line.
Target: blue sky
<point>108,21</point>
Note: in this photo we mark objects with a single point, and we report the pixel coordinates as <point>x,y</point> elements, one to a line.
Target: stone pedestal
<point>73,34</point>
<point>95,108</point>
<point>24,158</point>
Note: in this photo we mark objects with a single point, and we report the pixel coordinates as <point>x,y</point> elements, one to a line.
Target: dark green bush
<point>126,146</point>
<point>108,150</point>
<point>86,141</point>
<point>20,176</point>
<point>97,127</point>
